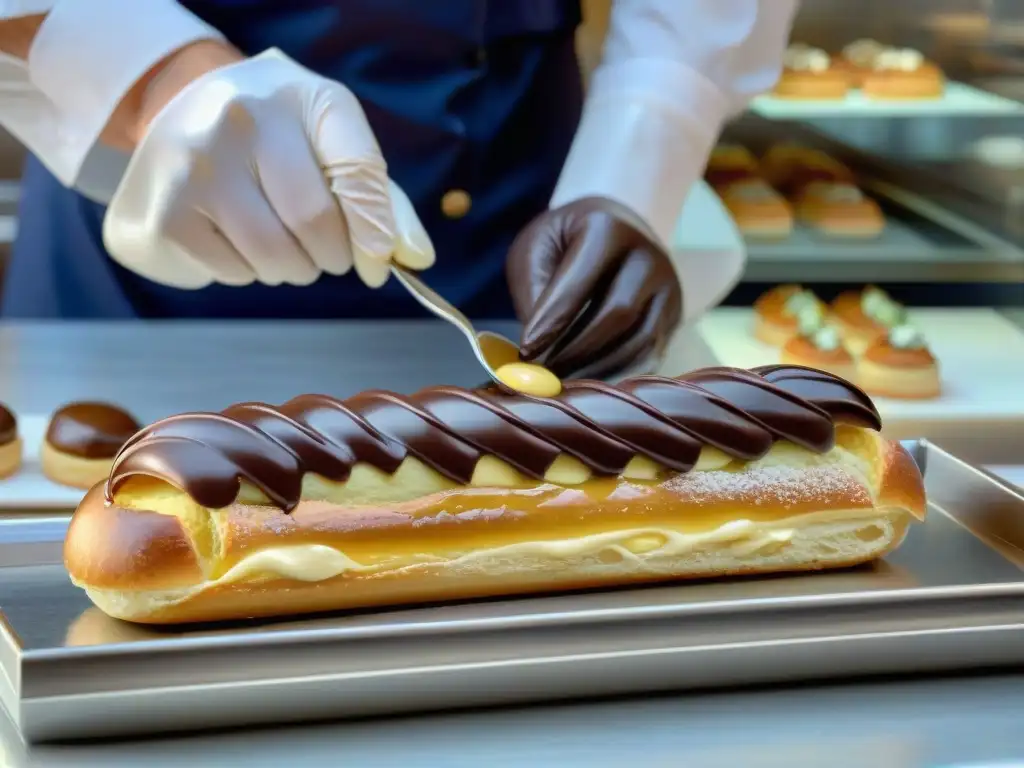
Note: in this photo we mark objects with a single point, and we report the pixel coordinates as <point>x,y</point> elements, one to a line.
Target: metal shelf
<point>926,240</point>
<point>914,247</point>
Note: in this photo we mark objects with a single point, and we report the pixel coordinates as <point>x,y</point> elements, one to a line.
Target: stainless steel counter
<point>155,369</point>
<point>919,724</point>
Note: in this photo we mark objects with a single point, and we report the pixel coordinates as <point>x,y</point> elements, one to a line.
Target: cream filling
<point>898,60</point>
<point>742,538</point>
<point>806,59</point>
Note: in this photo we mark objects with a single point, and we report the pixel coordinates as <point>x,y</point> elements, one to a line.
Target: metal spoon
<point>492,349</point>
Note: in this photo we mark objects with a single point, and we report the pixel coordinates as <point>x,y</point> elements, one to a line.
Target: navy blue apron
<point>475,95</point>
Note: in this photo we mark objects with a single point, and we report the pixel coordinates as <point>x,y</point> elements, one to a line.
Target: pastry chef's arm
<point>590,278</point>
<point>671,74</point>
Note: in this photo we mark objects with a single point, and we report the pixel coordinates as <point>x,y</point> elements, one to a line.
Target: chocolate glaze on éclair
<point>669,421</point>
<point>90,430</point>
<point>8,426</point>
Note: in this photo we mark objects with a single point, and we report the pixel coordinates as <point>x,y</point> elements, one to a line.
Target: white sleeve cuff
<point>647,130</point>
<point>87,56</point>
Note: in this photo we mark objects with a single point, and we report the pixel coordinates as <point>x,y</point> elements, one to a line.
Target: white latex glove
<point>261,171</point>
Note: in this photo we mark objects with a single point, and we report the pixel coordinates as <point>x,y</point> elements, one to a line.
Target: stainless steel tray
<point>952,597</point>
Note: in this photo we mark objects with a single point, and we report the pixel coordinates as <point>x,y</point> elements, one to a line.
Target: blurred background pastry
<point>900,365</point>
<point>776,312</point>
<point>758,210</point>
<point>82,440</point>
<point>10,443</point>
<point>791,167</point>
<point>902,73</point>
<point>839,209</point>
<point>818,345</point>
<point>810,73</point>
<point>863,317</point>
<point>730,163</point>
<point>857,59</point>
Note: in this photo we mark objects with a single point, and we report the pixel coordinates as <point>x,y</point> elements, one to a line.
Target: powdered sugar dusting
<point>778,485</point>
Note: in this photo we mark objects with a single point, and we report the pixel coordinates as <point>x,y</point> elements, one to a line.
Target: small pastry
<point>758,210</point>
<point>817,345</point>
<point>839,210</point>
<point>863,317</point>
<point>730,163</point>
<point>900,365</point>
<point>809,73</point>
<point>776,312</point>
<point>791,167</point>
<point>10,443</point>
<point>903,73</point>
<point>82,441</point>
<point>858,58</point>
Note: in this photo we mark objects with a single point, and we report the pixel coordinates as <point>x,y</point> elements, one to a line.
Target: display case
<point>948,172</point>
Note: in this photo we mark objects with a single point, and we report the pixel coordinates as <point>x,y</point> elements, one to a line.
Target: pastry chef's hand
<point>594,289</point>
<point>258,170</point>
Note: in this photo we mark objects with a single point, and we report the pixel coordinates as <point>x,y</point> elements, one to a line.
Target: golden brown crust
<point>791,167</point>
<point>10,458</point>
<point>860,218</point>
<point>70,470</point>
<point>884,353</point>
<point>765,214</point>
<point>729,164</point>
<point>800,350</point>
<point>925,82</point>
<point>911,374</point>
<point>772,303</point>
<point>854,73</point>
<point>833,83</point>
<point>901,485</point>
<point>431,584</point>
<point>110,547</point>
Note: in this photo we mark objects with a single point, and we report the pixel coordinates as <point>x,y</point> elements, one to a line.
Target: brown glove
<point>594,290</point>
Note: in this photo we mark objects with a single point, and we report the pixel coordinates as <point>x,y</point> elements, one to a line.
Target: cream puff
<point>903,73</point>
<point>839,209</point>
<point>758,210</point>
<point>776,312</point>
<point>791,167</point>
<point>900,365</point>
<point>810,73</point>
<point>863,317</point>
<point>730,163</point>
<point>857,59</point>
<point>82,440</point>
<point>10,443</point>
<point>818,345</point>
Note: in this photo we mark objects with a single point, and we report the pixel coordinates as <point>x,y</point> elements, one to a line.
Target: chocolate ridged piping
<point>669,421</point>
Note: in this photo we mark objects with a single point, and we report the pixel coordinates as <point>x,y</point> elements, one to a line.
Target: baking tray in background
<point>920,243</point>
<point>951,598</point>
<point>959,99</point>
